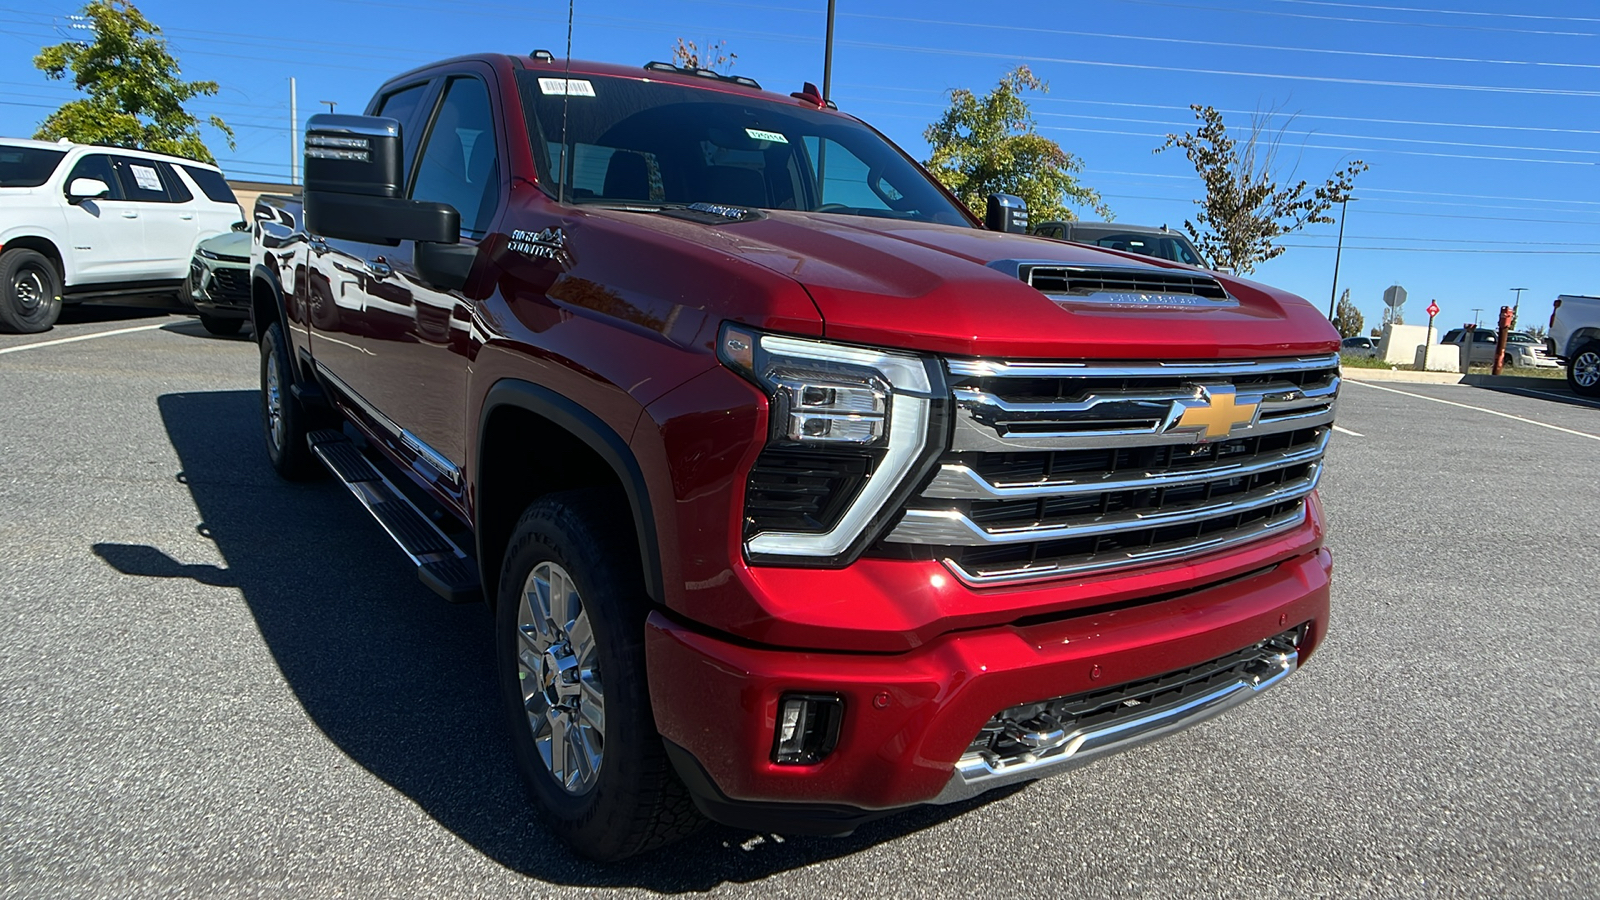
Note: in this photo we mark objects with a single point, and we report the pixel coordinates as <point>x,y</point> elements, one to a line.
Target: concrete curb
<point>1405,375</point>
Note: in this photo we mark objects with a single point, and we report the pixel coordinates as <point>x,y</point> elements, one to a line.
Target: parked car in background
<point>218,285</point>
<point>1522,348</point>
<point>79,222</point>
<point>1575,340</point>
<point>1162,243</point>
<point>1364,347</point>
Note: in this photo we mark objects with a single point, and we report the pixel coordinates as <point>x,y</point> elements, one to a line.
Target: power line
<point>1350,19</point>
<point>1440,12</point>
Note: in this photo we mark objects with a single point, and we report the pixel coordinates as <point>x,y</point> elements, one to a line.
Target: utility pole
<point>294,133</point>
<point>1333,294</point>
<point>827,58</point>
<point>1516,307</point>
<point>1475,311</point>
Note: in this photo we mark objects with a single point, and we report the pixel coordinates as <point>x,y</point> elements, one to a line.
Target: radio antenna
<point>566,100</point>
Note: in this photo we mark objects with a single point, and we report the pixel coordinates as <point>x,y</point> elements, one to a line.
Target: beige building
<point>248,191</point>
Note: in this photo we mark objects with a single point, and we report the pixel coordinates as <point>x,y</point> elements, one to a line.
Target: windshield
<point>1160,246</point>
<point>1520,337</point>
<point>27,166</point>
<point>633,142</point>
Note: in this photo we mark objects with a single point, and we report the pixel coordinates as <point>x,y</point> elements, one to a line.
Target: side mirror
<point>354,182</point>
<point>240,226</point>
<point>444,266</point>
<point>1006,213</point>
<point>82,189</point>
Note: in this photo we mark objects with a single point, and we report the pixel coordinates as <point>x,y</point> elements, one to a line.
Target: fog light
<point>808,728</point>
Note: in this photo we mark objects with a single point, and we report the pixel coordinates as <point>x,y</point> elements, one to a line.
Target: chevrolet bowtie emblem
<point>1217,411</point>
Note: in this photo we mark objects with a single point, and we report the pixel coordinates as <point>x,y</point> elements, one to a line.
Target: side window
<point>459,163</point>
<point>176,189</point>
<point>402,106</point>
<point>98,167</point>
<point>141,180</point>
<point>212,184</point>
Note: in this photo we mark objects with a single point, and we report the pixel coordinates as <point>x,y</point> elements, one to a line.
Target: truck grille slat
<point>1049,475</point>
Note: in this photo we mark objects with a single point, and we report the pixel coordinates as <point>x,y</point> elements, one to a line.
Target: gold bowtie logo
<point>1217,411</point>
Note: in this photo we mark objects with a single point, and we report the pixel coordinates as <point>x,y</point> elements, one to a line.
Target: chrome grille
<point>1066,468</point>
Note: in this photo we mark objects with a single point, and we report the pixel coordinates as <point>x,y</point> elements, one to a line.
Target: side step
<point>440,563</point>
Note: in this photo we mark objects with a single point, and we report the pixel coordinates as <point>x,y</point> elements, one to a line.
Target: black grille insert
<point>1080,281</point>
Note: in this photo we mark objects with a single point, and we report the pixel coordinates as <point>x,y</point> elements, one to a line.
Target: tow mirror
<point>1006,213</point>
<point>82,189</point>
<point>354,183</point>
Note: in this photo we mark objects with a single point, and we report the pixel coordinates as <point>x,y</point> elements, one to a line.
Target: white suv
<point>79,222</point>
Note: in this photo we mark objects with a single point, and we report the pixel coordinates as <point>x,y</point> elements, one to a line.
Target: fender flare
<point>599,437</point>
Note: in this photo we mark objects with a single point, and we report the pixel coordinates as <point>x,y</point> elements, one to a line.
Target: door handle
<point>129,214</point>
<point>380,267</point>
<point>185,215</point>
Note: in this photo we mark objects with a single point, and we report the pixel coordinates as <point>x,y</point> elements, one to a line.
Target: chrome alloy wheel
<point>28,287</point>
<point>559,669</point>
<point>1586,369</point>
<point>274,390</point>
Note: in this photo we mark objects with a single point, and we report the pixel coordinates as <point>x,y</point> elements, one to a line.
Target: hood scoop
<point>1136,286</point>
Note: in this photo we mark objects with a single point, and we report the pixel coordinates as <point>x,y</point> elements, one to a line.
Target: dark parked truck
<point>799,494</point>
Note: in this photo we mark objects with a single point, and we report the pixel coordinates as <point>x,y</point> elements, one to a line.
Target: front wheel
<point>569,635</point>
<point>1583,369</point>
<point>30,292</point>
<point>284,422</point>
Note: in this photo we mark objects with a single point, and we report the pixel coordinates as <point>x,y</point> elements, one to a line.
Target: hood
<point>947,290</point>
<point>234,245</point>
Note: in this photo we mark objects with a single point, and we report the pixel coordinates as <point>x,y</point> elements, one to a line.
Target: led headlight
<point>847,426</point>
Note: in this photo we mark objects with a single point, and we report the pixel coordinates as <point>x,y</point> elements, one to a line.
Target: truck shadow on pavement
<point>399,680</point>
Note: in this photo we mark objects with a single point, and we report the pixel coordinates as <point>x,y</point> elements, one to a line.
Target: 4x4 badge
<point>1215,413</point>
<point>550,244</point>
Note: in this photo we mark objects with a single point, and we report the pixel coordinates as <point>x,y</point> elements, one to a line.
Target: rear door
<point>106,234</point>
<point>149,191</point>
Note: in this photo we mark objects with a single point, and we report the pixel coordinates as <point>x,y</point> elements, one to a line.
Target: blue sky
<point>1478,118</point>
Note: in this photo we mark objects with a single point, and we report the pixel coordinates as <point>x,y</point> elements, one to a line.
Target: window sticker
<point>773,136</point>
<point>566,87</point>
<point>146,178</point>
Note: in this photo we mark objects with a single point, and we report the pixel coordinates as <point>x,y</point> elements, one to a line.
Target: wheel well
<point>523,456</point>
<point>44,246</point>
<point>263,305</point>
<point>1580,337</point>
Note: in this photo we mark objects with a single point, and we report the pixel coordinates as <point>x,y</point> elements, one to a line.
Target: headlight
<point>203,252</point>
<point>848,425</point>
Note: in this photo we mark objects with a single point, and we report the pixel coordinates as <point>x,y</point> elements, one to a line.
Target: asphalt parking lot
<point>213,683</point>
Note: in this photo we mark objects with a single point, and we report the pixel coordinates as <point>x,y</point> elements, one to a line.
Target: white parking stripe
<point>1582,434</point>
<point>81,337</point>
<point>1343,430</point>
<point>1569,398</point>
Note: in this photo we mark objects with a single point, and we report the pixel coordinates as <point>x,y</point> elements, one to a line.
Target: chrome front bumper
<point>1053,751</point>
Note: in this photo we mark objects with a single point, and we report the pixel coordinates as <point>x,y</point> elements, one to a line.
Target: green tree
<point>1346,317</point>
<point>1245,210</point>
<point>135,95</point>
<point>990,145</point>
<point>709,55</point>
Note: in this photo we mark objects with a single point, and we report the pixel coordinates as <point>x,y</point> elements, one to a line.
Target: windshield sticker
<point>566,87</point>
<point>146,178</point>
<point>772,136</point>
<point>550,244</point>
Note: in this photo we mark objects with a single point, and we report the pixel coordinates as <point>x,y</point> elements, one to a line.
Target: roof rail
<point>656,66</point>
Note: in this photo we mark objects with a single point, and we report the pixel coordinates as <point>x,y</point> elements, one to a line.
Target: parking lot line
<point>1567,398</point>
<point>1582,434</point>
<point>1342,430</point>
<point>81,337</point>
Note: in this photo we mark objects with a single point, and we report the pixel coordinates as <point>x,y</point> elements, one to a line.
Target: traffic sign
<point>1433,309</point>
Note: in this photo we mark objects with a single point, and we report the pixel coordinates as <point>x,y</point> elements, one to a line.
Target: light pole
<point>1475,311</point>
<point>1333,295</point>
<point>330,103</point>
<point>1517,306</point>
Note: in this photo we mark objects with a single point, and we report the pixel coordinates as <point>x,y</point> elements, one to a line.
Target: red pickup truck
<point>800,495</point>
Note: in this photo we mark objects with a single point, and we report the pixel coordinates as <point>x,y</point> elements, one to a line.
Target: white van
<point>80,222</point>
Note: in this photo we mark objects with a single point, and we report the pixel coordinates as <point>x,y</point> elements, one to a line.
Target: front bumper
<point>219,287</point>
<point>908,718</point>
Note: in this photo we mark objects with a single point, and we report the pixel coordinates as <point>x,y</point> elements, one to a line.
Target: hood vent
<point>1128,285</point>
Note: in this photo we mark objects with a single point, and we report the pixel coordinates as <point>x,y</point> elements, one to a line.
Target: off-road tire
<point>636,802</point>
<point>287,449</point>
<point>221,327</point>
<point>30,292</point>
<point>1583,370</point>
